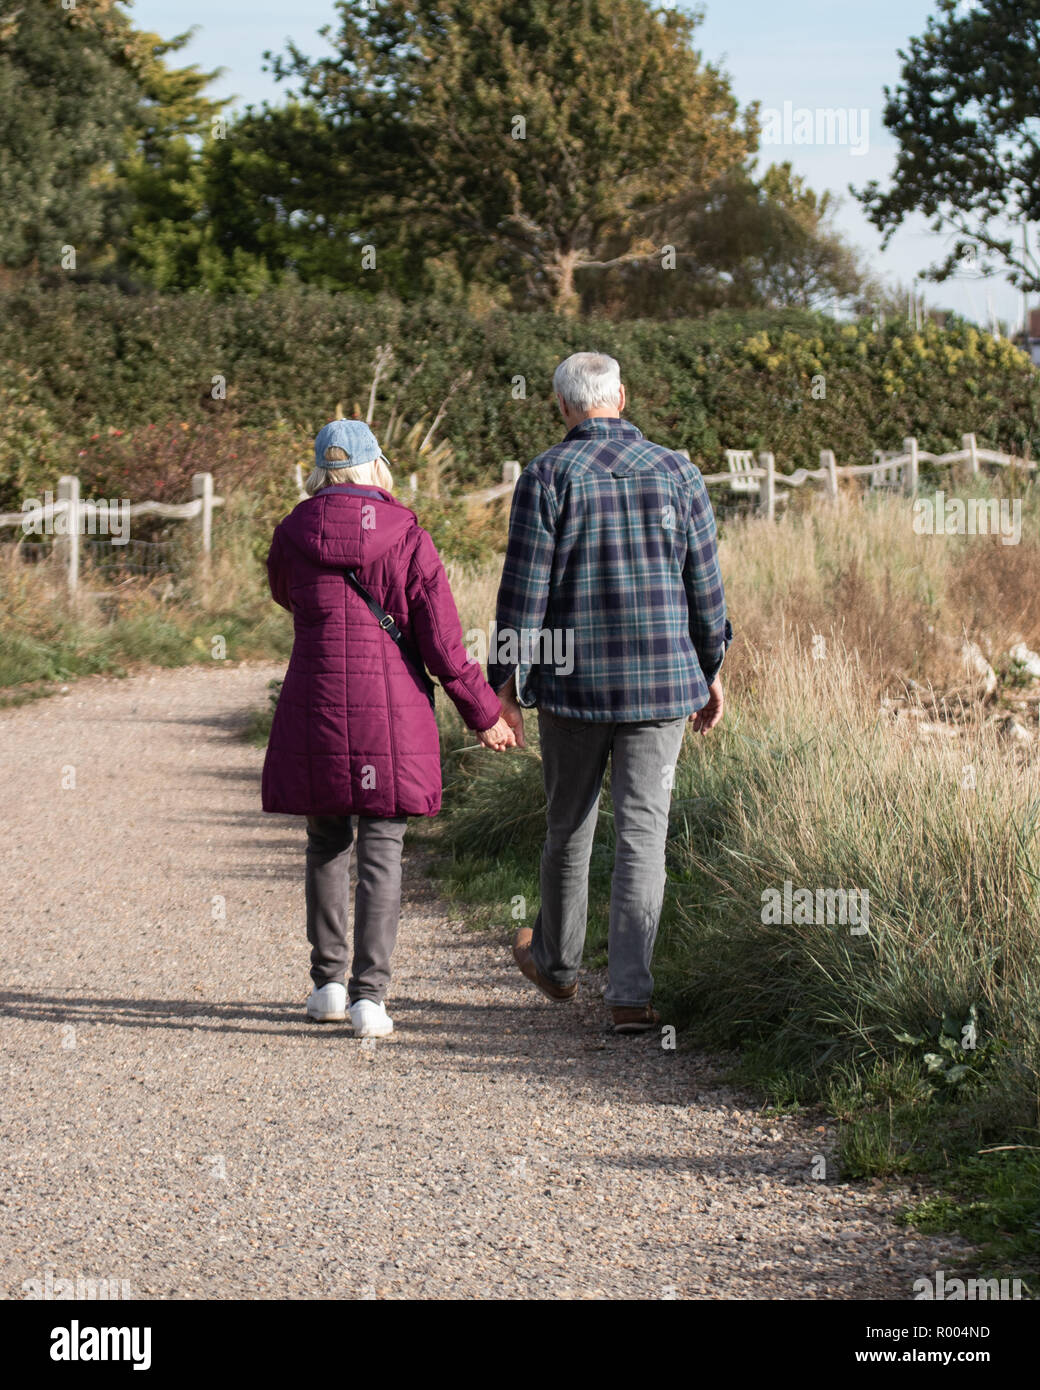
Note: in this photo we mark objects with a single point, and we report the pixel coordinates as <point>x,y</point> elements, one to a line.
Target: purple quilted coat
<point>354,733</point>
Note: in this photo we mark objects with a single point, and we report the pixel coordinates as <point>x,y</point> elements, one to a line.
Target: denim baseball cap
<point>352,436</point>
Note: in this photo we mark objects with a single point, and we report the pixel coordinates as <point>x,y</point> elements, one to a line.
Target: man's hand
<point>711,714</point>
<point>511,711</point>
<point>498,737</point>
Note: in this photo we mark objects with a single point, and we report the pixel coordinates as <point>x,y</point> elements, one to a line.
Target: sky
<point>802,55</point>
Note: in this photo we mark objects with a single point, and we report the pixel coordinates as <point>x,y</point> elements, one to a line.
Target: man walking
<point>611,620</point>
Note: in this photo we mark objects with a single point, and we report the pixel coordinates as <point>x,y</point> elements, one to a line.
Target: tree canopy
<point>87,101</point>
<point>534,138</point>
<point>967,120</point>
<point>493,152</point>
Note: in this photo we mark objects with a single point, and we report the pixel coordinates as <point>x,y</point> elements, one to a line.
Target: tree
<point>968,126</point>
<point>262,205</point>
<point>795,259</point>
<point>65,111</point>
<point>740,243</point>
<point>88,102</point>
<point>525,136</point>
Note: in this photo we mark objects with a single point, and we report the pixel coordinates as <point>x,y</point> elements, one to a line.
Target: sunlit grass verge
<point>922,1036</point>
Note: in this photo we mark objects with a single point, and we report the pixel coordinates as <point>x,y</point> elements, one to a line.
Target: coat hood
<point>348,526</point>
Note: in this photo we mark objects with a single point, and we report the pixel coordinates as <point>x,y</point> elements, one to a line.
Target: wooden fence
<point>79,512</point>
<point>888,470</point>
<point>747,472</point>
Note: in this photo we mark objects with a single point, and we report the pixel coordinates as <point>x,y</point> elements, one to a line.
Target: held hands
<point>514,717</point>
<point>509,731</point>
<point>499,736</point>
<point>705,719</point>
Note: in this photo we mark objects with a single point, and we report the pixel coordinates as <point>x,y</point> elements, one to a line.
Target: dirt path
<point>169,1118</point>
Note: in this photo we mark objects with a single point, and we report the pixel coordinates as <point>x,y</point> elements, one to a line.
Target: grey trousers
<point>574,759</point>
<point>377,900</point>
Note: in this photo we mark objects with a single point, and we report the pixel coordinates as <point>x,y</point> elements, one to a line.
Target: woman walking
<point>354,733</point>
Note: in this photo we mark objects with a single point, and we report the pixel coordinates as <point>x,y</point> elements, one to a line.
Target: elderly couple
<point>611,542</point>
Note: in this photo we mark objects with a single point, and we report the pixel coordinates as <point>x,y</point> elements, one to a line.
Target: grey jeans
<point>574,759</point>
<point>377,900</point>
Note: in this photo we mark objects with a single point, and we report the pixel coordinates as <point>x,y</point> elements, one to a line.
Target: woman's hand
<point>499,736</point>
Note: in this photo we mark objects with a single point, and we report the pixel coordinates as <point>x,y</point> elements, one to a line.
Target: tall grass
<point>903,602</point>
<point>922,1034</point>
<point>811,785</point>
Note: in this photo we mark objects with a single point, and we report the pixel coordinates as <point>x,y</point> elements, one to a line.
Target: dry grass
<point>809,782</point>
<point>112,627</point>
<point>858,575</point>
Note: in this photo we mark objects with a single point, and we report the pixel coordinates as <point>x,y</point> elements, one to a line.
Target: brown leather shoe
<point>636,1020</point>
<point>522,955</point>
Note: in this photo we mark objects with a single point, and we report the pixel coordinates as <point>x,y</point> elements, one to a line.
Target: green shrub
<point>29,440</point>
<point>791,381</point>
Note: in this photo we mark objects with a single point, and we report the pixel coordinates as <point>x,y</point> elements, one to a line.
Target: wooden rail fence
<point>747,472</point>
<point>78,513</point>
<point>900,470</point>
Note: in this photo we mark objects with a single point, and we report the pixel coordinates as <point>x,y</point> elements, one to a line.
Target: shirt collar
<point>600,428</point>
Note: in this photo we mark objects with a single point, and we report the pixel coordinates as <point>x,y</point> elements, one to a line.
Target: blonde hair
<point>374,474</point>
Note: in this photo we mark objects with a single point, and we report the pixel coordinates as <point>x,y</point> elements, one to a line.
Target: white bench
<point>741,463</point>
<point>886,473</point>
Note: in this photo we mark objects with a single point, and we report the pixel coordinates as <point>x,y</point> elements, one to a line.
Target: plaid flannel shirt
<point>612,572</point>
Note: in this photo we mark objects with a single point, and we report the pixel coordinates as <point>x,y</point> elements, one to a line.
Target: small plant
<point>958,1057</point>
<point>1016,675</point>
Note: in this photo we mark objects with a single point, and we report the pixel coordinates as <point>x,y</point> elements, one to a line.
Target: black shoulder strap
<point>386,622</point>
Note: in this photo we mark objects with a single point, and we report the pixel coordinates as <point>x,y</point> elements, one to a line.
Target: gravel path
<point>169,1119</point>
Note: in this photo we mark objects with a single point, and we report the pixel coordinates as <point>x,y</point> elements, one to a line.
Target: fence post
<point>202,486</point>
<point>68,491</point>
<point>510,471</point>
<point>972,449</point>
<point>767,506</point>
<point>413,483</point>
<point>910,469</point>
<point>828,461</point>
<point>299,482</point>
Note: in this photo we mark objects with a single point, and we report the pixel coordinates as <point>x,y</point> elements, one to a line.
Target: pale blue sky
<point>831,54</point>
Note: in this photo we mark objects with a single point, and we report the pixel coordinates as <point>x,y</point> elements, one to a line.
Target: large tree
<point>531,139</point>
<point>87,102</point>
<point>967,118</point>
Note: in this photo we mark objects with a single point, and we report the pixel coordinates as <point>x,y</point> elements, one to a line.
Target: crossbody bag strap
<point>386,622</point>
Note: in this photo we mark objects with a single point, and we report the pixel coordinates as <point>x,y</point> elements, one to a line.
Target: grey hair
<point>587,380</point>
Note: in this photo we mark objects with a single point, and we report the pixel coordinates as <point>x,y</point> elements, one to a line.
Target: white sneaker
<point>370,1019</point>
<point>328,1004</point>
